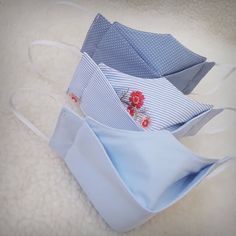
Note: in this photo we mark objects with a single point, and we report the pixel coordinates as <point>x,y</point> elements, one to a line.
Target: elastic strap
<point>72,4</point>
<point>230,161</point>
<point>229,70</point>
<point>22,118</point>
<point>221,129</point>
<point>75,50</point>
<point>57,44</point>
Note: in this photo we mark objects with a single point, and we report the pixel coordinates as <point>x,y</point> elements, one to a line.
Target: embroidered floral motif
<point>145,122</point>
<point>73,97</point>
<point>134,102</point>
<point>131,110</point>
<point>136,98</point>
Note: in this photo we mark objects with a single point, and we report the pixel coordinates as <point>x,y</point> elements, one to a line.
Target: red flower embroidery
<point>131,110</point>
<point>134,102</point>
<point>74,97</point>
<point>145,122</point>
<point>136,98</point>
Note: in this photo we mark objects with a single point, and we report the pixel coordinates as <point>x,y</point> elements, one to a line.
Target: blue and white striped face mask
<point>106,95</point>
<point>143,54</point>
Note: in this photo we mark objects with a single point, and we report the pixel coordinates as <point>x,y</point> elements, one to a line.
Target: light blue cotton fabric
<point>144,54</point>
<point>129,176</point>
<point>99,88</point>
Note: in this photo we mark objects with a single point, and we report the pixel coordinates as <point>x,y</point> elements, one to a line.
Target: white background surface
<point>38,196</point>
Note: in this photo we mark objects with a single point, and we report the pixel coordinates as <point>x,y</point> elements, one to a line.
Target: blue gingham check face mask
<point>101,89</point>
<point>143,54</point>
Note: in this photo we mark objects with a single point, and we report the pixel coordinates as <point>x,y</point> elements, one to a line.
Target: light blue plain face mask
<point>99,89</point>
<point>144,54</point>
<point>129,176</point>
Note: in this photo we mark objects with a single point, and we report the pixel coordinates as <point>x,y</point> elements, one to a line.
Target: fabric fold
<point>129,176</point>
<point>100,89</point>
<point>144,54</point>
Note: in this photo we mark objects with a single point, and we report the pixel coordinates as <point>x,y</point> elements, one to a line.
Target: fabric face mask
<point>129,176</point>
<point>143,54</point>
<point>100,89</point>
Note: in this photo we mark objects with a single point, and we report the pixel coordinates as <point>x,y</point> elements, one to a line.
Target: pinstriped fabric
<point>143,54</point>
<point>99,89</point>
<point>97,97</point>
<point>100,101</point>
<point>167,106</point>
<point>82,75</point>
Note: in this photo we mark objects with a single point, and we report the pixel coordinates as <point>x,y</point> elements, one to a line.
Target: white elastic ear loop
<point>72,4</point>
<point>226,75</point>
<point>222,168</point>
<point>22,118</point>
<point>57,44</point>
<point>220,129</point>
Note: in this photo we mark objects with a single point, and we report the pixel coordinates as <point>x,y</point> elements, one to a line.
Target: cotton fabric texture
<point>99,88</point>
<point>129,176</point>
<point>144,54</point>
